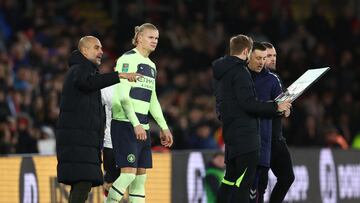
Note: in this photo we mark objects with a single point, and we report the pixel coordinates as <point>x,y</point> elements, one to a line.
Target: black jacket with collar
<point>80,127</point>
<point>238,106</point>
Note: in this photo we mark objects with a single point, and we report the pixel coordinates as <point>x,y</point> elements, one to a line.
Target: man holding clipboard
<point>280,162</point>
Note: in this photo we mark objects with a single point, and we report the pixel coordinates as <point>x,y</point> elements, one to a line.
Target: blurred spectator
<point>4,108</point>
<point>308,134</point>
<point>333,139</point>
<point>202,137</point>
<point>6,139</point>
<point>356,142</point>
<point>26,140</point>
<point>214,175</point>
<point>46,142</point>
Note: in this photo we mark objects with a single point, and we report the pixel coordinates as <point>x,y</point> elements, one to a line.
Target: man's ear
<point>246,52</point>
<point>84,51</point>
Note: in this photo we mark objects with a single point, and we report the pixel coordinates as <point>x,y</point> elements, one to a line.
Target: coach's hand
<point>287,113</point>
<point>284,106</point>
<point>140,132</point>
<point>166,138</point>
<point>129,76</point>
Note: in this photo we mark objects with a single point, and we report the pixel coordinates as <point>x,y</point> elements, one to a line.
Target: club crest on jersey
<point>125,67</point>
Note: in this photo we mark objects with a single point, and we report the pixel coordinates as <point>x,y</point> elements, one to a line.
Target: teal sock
<point>118,188</point>
<point>137,189</point>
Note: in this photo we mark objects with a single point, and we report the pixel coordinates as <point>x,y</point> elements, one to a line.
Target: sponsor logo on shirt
<point>125,67</point>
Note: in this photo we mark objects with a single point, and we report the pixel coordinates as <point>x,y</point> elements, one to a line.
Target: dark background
<point>37,36</point>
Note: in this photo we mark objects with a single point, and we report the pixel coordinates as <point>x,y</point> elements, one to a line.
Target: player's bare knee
<point>128,170</point>
<point>141,171</point>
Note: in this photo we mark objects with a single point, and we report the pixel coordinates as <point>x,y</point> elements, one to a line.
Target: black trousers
<point>239,175</point>
<point>258,188</point>
<point>281,166</point>
<point>79,192</point>
<point>111,173</point>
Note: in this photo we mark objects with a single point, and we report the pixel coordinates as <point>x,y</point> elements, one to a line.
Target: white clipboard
<point>301,84</point>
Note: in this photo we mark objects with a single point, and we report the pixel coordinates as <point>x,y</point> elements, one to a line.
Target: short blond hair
<point>140,29</point>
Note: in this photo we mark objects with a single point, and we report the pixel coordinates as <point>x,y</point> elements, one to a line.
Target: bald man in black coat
<point>80,126</point>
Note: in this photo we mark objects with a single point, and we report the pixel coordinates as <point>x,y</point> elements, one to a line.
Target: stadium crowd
<point>36,37</point>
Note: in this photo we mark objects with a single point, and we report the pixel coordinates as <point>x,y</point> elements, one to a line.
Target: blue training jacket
<point>268,87</point>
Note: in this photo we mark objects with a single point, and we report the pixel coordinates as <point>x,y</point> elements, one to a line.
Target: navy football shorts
<point>128,151</point>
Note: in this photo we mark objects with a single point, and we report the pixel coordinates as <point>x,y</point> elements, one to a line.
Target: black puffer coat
<point>80,127</point>
<point>238,106</point>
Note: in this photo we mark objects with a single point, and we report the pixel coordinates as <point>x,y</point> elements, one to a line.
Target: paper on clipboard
<point>301,84</point>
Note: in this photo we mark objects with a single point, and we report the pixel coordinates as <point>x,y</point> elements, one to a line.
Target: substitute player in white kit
<point>110,171</point>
